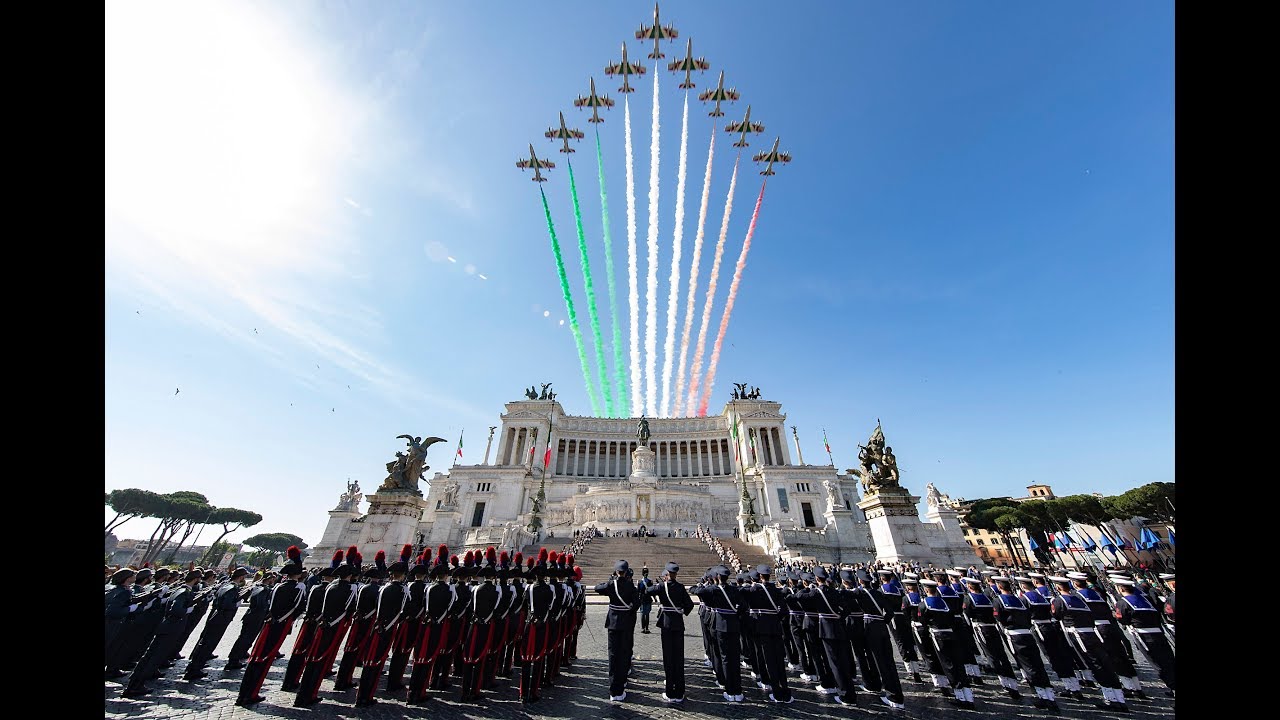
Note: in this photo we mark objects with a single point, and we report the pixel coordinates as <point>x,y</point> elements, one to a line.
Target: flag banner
<point>824,441</point>
<point>546,459</point>
<point>1088,543</point>
<point>1053,542</point>
<point>459,445</point>
<point>1171,542</point>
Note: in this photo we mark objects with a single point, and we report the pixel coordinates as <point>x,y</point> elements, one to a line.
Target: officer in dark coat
<point>226,600</point>
<point>1077,621</point>
<point>937,620</point>
<point>1014,619</point>
<point>407,632</point>
<point>251,622</point>
<point>310,622</point>
<point>1141,619</point>
<point>361,627</point>
<point>168,634</point>
<point>537,603</point>
<point>438,600</point>
<point>335,618</point>
<point>118,599</point>
<point>796,618</point>
<point>200,602</point>
<point>481,611</point>
<point>388,612</point>
<point>146,612</point>
<point>674,604</point>
<point>823,601</point>
<point>768,612</point>
<point>620,623</point>
<point>285,603</point>
<point>877,609</point>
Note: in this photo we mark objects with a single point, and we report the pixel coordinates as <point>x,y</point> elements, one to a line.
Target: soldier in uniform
<point>439,598</point>
<point>498,633</point>
<point>285,603</point>
<point>854,629</point>
<point>823,602</point>
<point>147,610</point>
<point>877,609</point>
<point>952,591</point>
<point>407,632</point>
<point>449,657</point>
<point>722,601</point>
<point>118,599</point>
<point>310,621</point>
<point>788,636</point>
<point>1014,618</point>
<point>798,619</point>
<point>577,612</point>
<point>515,616</point>
<point>646,602</point>
<point>899,622</point>
<point>674,604</point>
<point>335,617</point>
<point>1077,621</point>
<point>168,634</point>
<point>980,612</point>
<point>767,610</point>
<point>392,597</point>
<point>361,626</point>
<point>481,611</point>
<point>202,596</point>
<point>226,600</point>
<point>251,622</point>
<point>1109,634</point>
<point>620,623</point>
<point>1136,614</point>
<point>1047,630</point>
<point>936,619</point>
<point>537,606</point>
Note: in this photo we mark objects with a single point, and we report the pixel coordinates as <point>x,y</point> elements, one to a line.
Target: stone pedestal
<point>949,544</point>
<point>895,526</point>
<point>391,522</point>
<point>337,533</point>
<point>643,465</point>
<point>853,543</point>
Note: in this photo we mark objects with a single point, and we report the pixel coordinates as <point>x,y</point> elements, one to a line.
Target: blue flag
<point>1107,543</point>
<point>1171,543</point>
<point>1150,540</point>
<point>1032,544</point>
<point>1088,543</point>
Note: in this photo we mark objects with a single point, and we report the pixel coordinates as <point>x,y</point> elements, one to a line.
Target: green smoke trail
<point>619,371</point>
<point>568,303</point>
<point>591,297</point>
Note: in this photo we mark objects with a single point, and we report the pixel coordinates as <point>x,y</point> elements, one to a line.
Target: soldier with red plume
<point>286,602</point>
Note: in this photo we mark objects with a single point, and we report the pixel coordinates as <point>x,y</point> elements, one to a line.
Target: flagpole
<point>458,453</point>
<point>828,446</point>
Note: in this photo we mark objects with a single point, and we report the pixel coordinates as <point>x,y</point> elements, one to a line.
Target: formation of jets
<point>595,102</point>
<point>744,127</point>
<point>656,32</point>
<point>688,65</point>
<point>564,133</point>
<point>719,94</point>
<point>536,164</point>
<point>625,69</point>
<point>772,157</point>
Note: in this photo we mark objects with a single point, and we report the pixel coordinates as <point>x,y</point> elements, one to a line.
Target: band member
<point>335,618</point>
<point>251,622</point>
<point>620,623</point>
<point>1077,621</point>
<point>1014,619</point>
<point>1136,614</point>
<point>226,600</point>
<point>936,619</point>
<point>386,621</point>
<point>285,603</point>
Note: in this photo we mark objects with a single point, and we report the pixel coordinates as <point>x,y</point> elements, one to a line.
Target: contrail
<point>711,293</point>
<point>728,307</point>
<point>693,275</point>
<point>651,286</point>
<point>592,313</point>
<point>568,303</point>
<point>619,372</point>
<point>673,302</point>
<point>633,291</point>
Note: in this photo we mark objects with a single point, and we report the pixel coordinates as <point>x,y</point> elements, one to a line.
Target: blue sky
<point>974,242</point>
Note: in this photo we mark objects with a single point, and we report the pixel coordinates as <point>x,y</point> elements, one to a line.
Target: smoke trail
<point>693,275</point>
<point>669,348</point>
<point>619,374</point>
<point>592,314</point>
<point>651,286</point>
<point>633,292</point>
<point>568,303</point>
<point>711,292</point>
<point>728,307</point>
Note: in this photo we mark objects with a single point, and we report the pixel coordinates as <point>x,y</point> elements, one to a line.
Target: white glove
<point>189,610</point>
<point>133,607</point>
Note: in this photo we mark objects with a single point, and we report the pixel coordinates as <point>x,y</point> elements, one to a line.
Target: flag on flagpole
<point>751,438</point>
<point>824,441</point>
<point>464,430</point>
<point>1032,545</point>
<point>1171,543</point>
<point>1107,542</point>
<point>1067,539</point>
<point>1053,542</point>
<point>1088,543</point>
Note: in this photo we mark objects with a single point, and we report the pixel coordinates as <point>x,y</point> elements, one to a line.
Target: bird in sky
<point>176,391</point>
<point>255,331</point>
<point>317,367</point>
<point>333,410</point>
<point>138,312</point>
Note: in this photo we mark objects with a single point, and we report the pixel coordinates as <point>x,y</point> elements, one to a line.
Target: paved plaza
<point>582,692</point>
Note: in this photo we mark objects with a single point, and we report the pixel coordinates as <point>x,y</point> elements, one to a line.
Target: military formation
<point>422,625</point>
<point>456,622</point>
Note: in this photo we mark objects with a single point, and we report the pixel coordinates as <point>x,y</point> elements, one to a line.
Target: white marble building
<point>692,473</point>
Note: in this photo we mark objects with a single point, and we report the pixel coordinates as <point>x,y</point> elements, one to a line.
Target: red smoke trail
<point>728,307</point>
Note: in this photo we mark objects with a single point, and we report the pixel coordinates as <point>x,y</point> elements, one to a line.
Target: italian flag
<point>460,443</point>
<point>546,459</point>
<point>824,440</point>
<point>751,438</point>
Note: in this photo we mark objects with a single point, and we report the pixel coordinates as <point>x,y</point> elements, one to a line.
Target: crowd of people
<point>467,621</point>
<point>837,627</point>
<point>726,554</point>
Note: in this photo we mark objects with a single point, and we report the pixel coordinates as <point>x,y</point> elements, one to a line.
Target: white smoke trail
<point>633,291</point>
<point>711,293</point>
<point>673,301</point>
<point>693,275</point>
<point>728,307</point>
<point>651,286</point>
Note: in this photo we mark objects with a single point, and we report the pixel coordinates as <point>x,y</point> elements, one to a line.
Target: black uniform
<point>407,637</point>
<point>302,642</point>
<point>387,615</point>
<point>168,635</point>
<point>938,627</point>
<point>118,599</point>
<point>854,628</point>
<point>475,645</point>
<point>1112,640</point>
<point>980,612</point>
<point>1014,618</point>
<point>1136,614</point>
<point>335,618</point>
<point>876,613</point>
<point>722,603</point>
<point>537,604</point>
<point>1077,621</point>
<point>963,637</point>
<point>796,621</point>
<point>768,614</point>
<point>250,625</point>
<point>900,622</point>
<point>357,635</point>
<point>825,603</point>
<point>1051,637</point>
<point>439,598</point>
<point>226,600</point>
<point>620,623</point>
<point>200,600</point>
<point>284,604</point>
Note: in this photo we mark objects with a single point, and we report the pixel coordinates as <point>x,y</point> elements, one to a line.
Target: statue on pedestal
<point>350,500</point>
<point>642,432</point>
<point>877,464</point>
<point>932,497</point>
<point>406,470</point>
<point>833,495</point>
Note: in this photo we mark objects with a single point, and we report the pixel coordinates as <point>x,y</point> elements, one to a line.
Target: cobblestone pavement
<point>582,692</point>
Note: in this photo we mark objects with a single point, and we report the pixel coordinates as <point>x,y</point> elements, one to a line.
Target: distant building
<point>131,552</point>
